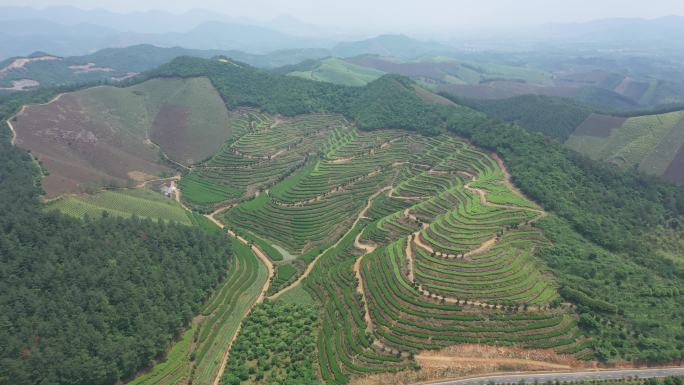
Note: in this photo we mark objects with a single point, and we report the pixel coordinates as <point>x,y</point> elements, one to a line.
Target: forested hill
<point>389,102</point>
<point>90,302</point>
<point>553,116</point>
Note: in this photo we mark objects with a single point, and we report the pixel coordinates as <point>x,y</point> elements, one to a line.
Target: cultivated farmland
<point>141,202</point>
<point>407,243</point>
<point>651,142</point>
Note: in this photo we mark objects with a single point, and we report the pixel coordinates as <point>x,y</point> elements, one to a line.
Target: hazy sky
<point>400,14</point>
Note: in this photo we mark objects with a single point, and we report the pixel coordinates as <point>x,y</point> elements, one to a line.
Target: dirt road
<point>309,268</point>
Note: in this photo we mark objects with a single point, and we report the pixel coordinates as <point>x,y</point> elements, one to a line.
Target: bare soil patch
<point>599,126</point>
<point>472,359</point>
<point>22,85</point>
<point>88,67</point>
<point>20,62</point>
<point>80,152</point>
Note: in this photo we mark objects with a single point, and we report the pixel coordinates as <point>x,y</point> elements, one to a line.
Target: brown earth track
<point>311,265</point>
<point>269,267</point>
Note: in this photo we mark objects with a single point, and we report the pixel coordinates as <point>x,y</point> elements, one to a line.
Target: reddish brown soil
<point>79,151</point>
<point>470,359</point>
<point>599,126</point>
<point>170,130</point>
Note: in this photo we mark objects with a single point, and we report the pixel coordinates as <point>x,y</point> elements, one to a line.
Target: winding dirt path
<point>13,140</point>
<point>262,294</point>
<point>487,245</point>
<point>309,268</point>
<point>367,248</point>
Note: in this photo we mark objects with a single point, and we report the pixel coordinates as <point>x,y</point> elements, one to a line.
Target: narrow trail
<point>174,178</point>
<point>13,132</point>
<point>309,268</point>
<point>408,252</point>
<point>13,139</point>
<point>262,256</point>
<point>262,294</point>
<point>269,267</point>
<point>357,272</point>
<point>484,247</point>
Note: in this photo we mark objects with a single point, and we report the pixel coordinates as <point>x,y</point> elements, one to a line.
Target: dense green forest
<point>275,347</point>
<point>601,250</point>
<point>552,116</point>
<point>90,302</point>
<point>389,102</point>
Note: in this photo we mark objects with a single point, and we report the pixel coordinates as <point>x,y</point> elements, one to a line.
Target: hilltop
<point>374,222</point>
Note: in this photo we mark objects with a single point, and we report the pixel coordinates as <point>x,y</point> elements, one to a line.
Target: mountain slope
<point>45,70</point>
<point>338,71</point>
<point>399,46</point>
<point>652,143</point>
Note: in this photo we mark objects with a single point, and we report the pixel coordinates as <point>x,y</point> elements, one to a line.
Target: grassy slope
<point>133,109</point>
<point>143,203</point>
<point>649,142</point>
<point>338,71</point>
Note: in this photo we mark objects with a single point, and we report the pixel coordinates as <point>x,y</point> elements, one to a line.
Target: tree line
<point>90,301</point>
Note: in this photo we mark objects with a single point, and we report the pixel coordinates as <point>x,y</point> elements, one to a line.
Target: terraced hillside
<point>653,143</point>
<point>408,243</point>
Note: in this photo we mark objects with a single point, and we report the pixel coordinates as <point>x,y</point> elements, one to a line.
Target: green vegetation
<point>420,241</point>
<point>602,237</point>
<point>555,117</point>
<point>185,117</point>
<point>338,71</point>
<point>388,102</point>
<point>649,142</point>
<point>275,347</point>
<point>91,275</point>
<point>196,357</point>
<point>140,202</point>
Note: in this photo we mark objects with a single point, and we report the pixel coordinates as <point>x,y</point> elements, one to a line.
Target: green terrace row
<point>262,154</point>
<point>345,346</point>
<point>407,320</point>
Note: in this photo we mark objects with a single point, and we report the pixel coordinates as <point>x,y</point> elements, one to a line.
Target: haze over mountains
<point>69,31</point>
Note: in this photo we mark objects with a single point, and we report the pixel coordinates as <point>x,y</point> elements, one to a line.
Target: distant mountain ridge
<point>45,69</point>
